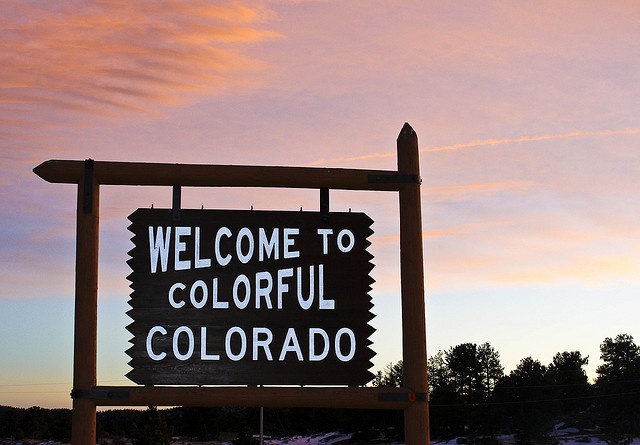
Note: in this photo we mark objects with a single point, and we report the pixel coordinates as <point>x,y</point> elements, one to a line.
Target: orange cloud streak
<point>573,134</point>
<point>448,192</point>
<point>586,270</point>
<point>107,56</point>
<point>486,143</point>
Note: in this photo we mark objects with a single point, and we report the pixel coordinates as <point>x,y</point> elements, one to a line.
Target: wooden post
<point>83,427</point>
<point>414,344</point>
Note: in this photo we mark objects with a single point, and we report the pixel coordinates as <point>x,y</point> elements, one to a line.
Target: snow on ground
<point>564,436</point>
<point>316,439</point>
<point>563,439</point>
<point>337,438</point>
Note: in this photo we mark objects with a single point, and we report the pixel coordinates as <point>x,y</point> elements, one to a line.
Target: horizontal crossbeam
<point>203,175</point>
<point>280,396</point>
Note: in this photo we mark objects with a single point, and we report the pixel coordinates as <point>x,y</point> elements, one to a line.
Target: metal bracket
<point>176,202</point>
<point>394,178</point>
<point>403,397</point>
<point>99,394</point>
<point>87,192</point>
<point>324,205</point>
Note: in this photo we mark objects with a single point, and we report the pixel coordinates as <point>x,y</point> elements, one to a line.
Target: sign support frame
<point>90,175</point>
<point>85,353</point>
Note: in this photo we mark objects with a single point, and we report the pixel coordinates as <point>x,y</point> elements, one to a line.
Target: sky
<point>528,120</point>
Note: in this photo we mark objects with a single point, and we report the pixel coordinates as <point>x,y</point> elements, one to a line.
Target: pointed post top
<point>407,131</point>
<point>408,160</point>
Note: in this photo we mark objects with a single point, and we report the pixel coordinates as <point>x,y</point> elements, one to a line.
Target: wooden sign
<point>250,297</point>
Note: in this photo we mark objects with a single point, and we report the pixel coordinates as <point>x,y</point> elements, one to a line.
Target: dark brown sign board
<point>228,297</point>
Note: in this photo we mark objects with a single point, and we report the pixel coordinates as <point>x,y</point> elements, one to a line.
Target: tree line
<point>471,396</point>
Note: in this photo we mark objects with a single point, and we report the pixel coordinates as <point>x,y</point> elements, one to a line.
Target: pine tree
<point>465,376</point>
<point>154,430</point>
<point>570,382</point>
<point>525,392</point>
<point>491,370</point>
<point>618,385</point>
<point>390,377</point>
<point>465,371</point>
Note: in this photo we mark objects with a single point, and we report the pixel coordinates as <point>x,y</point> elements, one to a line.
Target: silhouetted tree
<point>461,382</point>
<point>465,371</point>
<point>443,412</point>
<point>37,422</point>
<point>154,429</point>
<point>525,395</point>
<point>491,370</point>
<point>390,377</point>
<point>618,385</point>
<point>570,382</point>
<point>438,372</point>
<point>201,423</point>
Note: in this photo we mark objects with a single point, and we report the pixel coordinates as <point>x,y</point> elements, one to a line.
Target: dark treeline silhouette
<point>471,396</point>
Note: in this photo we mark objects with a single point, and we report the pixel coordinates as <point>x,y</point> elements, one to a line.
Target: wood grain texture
<point>284,397</point>
<point>345,280</point>
<point>414,343</point>
<point>202,175</point>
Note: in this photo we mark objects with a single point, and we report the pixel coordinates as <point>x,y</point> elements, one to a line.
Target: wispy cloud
<point>573,134</point>
<point>349,159</point>
<point>106,57</point>
<point>464,191</point>
<point>531,248</point>
<point>588,270</point>
<point>462,230</point>
<point>484,143</point>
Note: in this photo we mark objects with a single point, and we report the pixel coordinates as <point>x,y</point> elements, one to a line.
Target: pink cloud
<point>492,142</point>
<point>481,144</point>
<point>581,269</point>
<point>108,57</point>
<point>530,248</point>
<point>458,192</point>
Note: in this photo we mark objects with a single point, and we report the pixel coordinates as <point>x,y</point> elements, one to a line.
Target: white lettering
<point>176,338</point>
<point>324,304</point>
<point>181,246</point>
<point>313,357</point>
<point>244,257</point>
<point>218,304</point>
<point>268,246</point>
<point>325,239</point>
<point>205,294</point>
<point>159,248</point>
<point>150,353</point>
<point>203,346</point>
<point>243,343</point>
<point>264,344</point>
<point>241,279</point>
<point>200,262</point>
<point>352,348</point>
<point>222,260</point>
<point>291,344</point>
<point>263,291</point>
<point>283,287</point>
<point>352,240</point>
<point>262,338</point>
<point>288,241</point>
<point>172,301</point>
<point>305,303</point>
